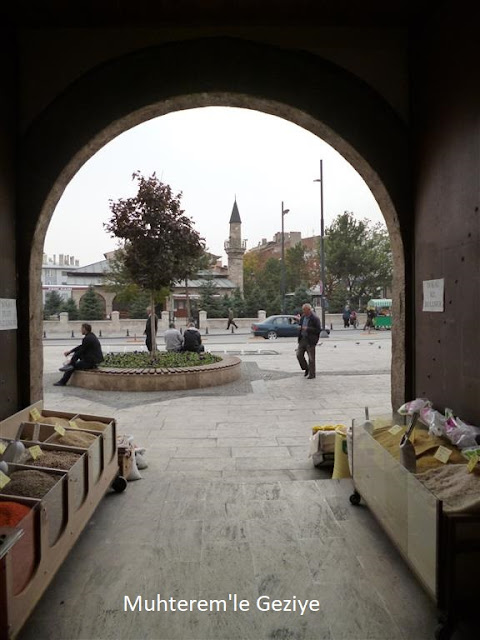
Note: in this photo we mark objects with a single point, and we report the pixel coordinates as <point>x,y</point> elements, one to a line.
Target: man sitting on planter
<point>192,340</point>
<point>86,356</point>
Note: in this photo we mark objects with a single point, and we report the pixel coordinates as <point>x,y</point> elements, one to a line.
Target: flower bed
<point>161,360</point>
<point>194,372</point>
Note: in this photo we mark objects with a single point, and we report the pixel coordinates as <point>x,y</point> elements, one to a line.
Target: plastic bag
<point>461,434</point>
<point>433,419</point>
<point>140,458</point>
<point>414,406</point>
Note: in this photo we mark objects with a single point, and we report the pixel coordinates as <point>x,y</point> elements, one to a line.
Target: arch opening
<point>285,109</point>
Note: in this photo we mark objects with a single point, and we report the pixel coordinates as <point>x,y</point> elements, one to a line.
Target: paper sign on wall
<point>8,314</point>
<point>433,292</point>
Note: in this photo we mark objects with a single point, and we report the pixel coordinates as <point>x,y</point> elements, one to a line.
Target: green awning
<point>380,302</point>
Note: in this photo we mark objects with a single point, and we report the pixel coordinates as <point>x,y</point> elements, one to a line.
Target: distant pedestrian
<point>87,355</point>
<point>307,340</point>
<point>148,329</point>
<point>173,338</point>
<point>370,323</point>
<point>231,320</point>
<point>346,317</point>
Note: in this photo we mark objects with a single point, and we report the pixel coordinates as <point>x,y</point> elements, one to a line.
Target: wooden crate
<point>57,520</point>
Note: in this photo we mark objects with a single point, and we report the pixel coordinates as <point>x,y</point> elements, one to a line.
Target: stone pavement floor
<point>231,504</point>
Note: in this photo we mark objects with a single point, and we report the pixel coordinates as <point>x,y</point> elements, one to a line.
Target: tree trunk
<point>187,301</point>
<point>153,332</point>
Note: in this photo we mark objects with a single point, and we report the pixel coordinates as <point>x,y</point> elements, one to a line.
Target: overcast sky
<point>212,155</point>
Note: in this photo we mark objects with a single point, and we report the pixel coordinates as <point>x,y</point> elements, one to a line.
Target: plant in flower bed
<point>161,360</point>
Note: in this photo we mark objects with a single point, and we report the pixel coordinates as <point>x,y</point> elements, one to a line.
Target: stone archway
<point>314,94</point>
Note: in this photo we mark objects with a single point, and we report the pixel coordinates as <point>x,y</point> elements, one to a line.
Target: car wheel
<point>272,335</point>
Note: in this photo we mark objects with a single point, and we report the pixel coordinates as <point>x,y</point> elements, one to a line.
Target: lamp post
<point>284,212</point>
<point>323,333</point>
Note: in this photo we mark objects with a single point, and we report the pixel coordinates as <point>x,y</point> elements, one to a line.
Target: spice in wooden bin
<point>53,420</point>
<point>73,439</point>
<point>63,460</point>
<point>22,555</point>
<point>11,513</point>
<point>29,483</point>
<point>92,425</point>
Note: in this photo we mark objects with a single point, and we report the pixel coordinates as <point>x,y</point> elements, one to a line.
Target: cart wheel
<point>119,484</point>
<point>355,498</point>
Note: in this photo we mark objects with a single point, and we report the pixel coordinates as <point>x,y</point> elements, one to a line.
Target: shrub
<point>162,360</point>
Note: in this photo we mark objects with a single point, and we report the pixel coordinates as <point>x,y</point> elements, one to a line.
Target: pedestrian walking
<point>370,324</point>
<point>231,320</point>
<point>307,340</point>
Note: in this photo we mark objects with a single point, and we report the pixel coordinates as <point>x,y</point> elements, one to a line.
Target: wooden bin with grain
<point>57,520</point>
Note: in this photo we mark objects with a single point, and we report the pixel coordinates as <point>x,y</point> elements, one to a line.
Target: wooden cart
<point>32,552</point>
<point>442,549</point>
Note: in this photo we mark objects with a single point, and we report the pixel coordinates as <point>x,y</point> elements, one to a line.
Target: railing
<point>235,245</point>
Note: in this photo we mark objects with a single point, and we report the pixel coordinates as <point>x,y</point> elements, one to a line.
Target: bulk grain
<point>30,483</point>
<point>55,460</point>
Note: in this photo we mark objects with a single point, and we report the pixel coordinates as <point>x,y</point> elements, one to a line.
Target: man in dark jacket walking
<point>86,356</point>
<point>307,340</point>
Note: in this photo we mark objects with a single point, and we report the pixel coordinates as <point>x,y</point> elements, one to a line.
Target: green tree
<point>91,307</point>
<point>53,304</point>
<point>138,305</point>
<point>300,296</point>
<point>296,267</point>
<point>262,285</point>
<point>358,260</point>
<point>69,306</point>
<point>210,299</point>
<point>237,302</point>
<point>159,242</point>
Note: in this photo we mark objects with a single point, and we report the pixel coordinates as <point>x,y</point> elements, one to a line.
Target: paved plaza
<point>231,506</point>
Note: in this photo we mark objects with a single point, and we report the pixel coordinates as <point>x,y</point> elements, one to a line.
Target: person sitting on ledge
<point>173,338</point>
<point>87,355</point>
<point>192,340</point>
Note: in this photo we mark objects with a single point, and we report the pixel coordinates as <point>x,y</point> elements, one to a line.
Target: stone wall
<point>116,328</point>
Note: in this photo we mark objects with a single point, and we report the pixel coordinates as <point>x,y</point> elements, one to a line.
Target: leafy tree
<point>296,267</point>
<point>91,306</point>
<point>300,296</point>
<point>138,305</point>
<point>159,242</point>
<point>69,306</point>
<point>358,260</point>
<point>53,304</point>
<point>210,299</point>
<point>237,302</point>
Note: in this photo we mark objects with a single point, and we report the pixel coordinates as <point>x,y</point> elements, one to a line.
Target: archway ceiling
<point>220,13</point>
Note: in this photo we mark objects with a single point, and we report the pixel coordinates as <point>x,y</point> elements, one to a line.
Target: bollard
<point>206,331</point>
<point>128,333</point>
<point>331,326</point>
<point>100,333</point>
<point>73,335</point>
<point>232,329</point>
<point>44,334</point>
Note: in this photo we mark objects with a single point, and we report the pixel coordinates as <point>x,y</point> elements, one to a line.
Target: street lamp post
<point>323,333</point>
<point>284,212</point>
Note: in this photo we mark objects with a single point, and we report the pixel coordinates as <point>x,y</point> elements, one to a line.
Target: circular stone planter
<point>110,379</point>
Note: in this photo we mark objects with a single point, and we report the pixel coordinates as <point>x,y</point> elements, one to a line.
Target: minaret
<point>235,247</point>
